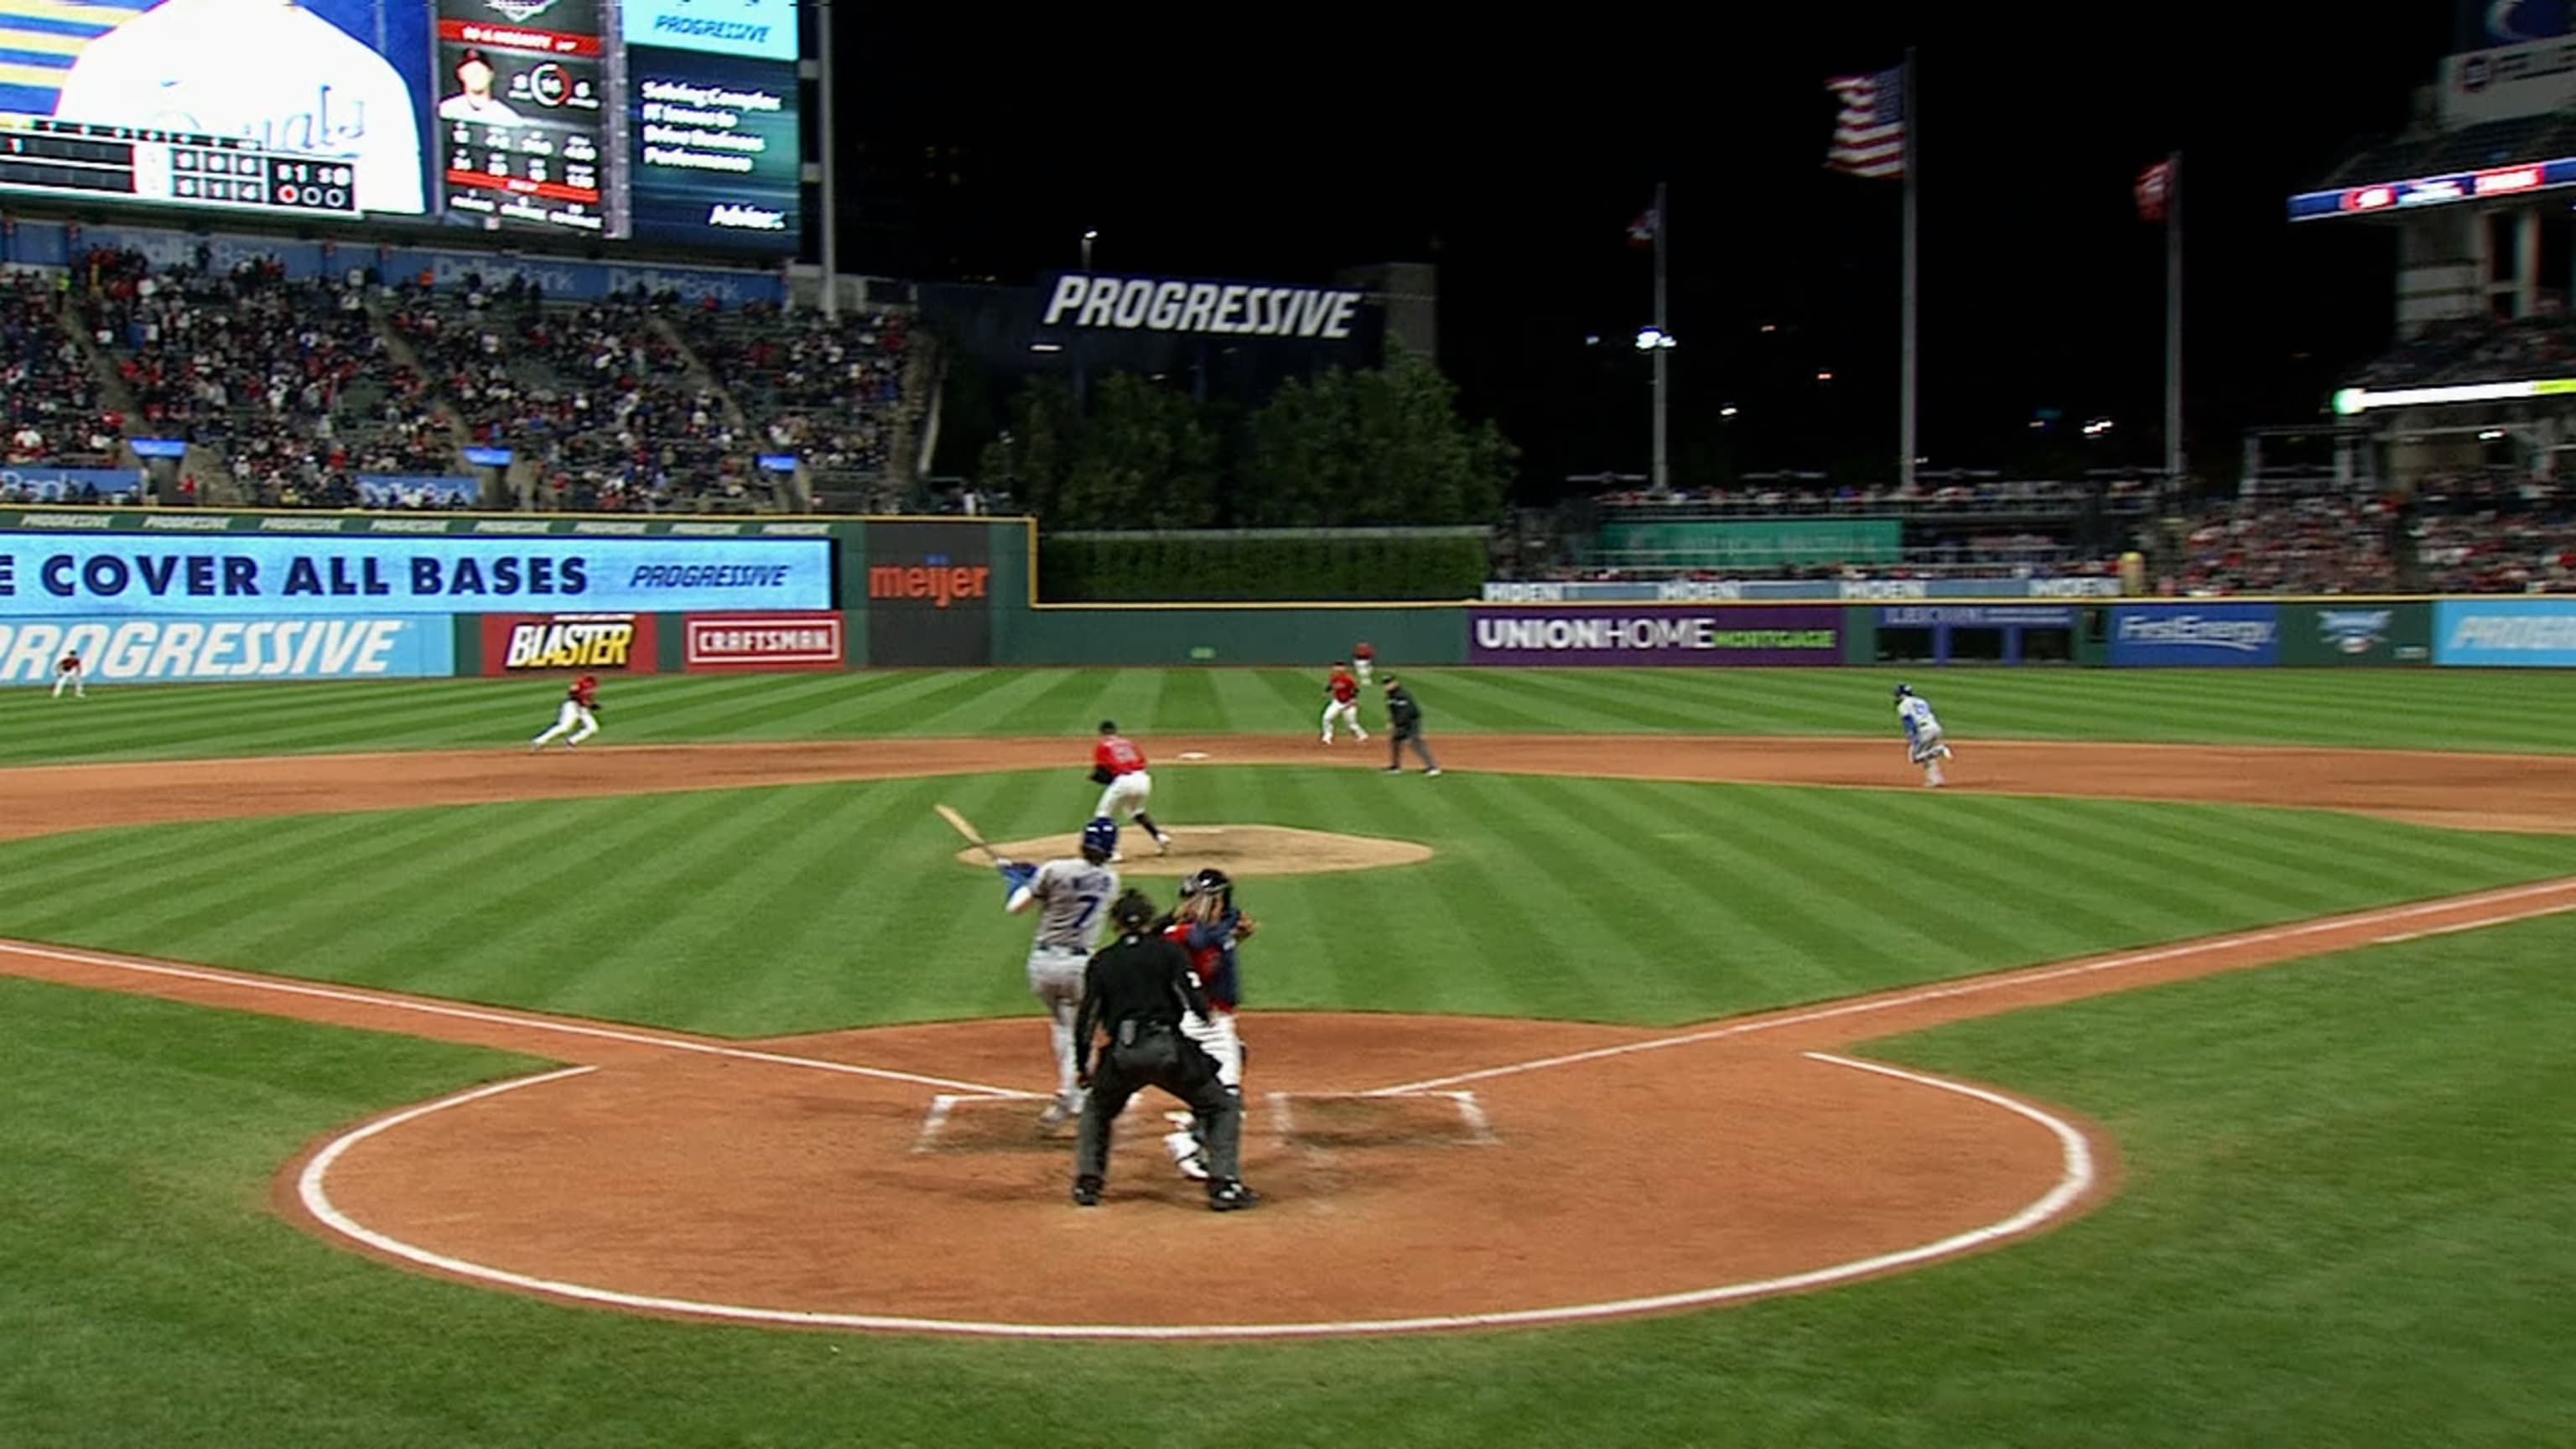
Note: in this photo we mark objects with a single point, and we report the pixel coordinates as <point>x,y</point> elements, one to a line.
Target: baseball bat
<point>959,824</point>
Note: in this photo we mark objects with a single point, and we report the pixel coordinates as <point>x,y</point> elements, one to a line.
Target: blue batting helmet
<point>1100,838</point>
<point>1903,690</point>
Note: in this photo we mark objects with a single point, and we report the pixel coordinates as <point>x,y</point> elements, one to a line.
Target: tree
<point>1145,460</point>
<point>1384,448</point>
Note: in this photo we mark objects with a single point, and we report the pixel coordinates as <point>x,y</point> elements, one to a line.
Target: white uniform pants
<point>1126,795</point>
<point>1927,745</point>
<point>73,680</point>
<point>1055,979</point>
<point>565,718</point>
<point>1348,714</point>
<point>1216,1035</point>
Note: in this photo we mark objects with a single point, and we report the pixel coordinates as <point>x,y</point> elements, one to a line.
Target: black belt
<point>1137,1028</point>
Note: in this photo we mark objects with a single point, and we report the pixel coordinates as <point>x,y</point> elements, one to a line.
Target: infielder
<point>71,674</point>
<point>1342,702</point>
<point>1208,926</point>
<point>1118,767</point>
<point>1365,658</point>
<point>580,707</point>
<point>1922,734</point>
<point>1074,898</point>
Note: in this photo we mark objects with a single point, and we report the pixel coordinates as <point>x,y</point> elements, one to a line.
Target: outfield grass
<point>801,908</point>
<point>2344,1223</point>
<point>2411,708</point>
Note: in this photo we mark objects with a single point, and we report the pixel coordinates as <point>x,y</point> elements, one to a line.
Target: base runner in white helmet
<point>1073,898</point>
<point>1922,734</point>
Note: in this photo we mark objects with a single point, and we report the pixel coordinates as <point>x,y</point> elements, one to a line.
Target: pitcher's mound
<point>1246,850</point>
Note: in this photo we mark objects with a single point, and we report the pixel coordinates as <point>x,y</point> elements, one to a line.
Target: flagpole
<point>2173,321</point>
<point>1905,406</point>
<point>1663,347</point>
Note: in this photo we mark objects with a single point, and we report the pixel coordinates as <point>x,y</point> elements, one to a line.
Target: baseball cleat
<point>1057,1113</point>
<point>1162,845</point>
<point>1228,1197</point>
<point>1434,770</point>
<point>1086,1192</point>
<point>1186,1156</point>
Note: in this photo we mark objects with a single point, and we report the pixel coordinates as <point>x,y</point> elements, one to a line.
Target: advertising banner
<point>2198,636</point>
<point>313,578</point>
<point>744,643</point>
<point>42,483</point>
<point>1700,637</point>
<point>930,593</point>
<point>1977,616</point>
<point>417,490</point>
<point>128,650</point>
<point>2510,633</point>
<point>447,525</point>
<point>2505,81</point>
<point>2372,634</point>
<point>1712,591</point>
<point>1768,543</point>
<point>575,643</point>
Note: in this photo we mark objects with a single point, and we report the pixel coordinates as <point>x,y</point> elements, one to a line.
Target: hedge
<point>1261,566</point>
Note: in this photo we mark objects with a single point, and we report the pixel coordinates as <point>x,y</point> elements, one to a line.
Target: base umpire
<point>1135,991</point>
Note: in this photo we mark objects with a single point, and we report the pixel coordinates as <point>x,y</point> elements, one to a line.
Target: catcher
<point>1208,927</point>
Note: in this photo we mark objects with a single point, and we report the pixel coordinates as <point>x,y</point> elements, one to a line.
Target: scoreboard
<point>668,121</point>
<point>222,173</point>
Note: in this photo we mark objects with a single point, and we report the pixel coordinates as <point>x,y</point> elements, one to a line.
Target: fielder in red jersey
<point>579,706</point>
<point>1342,702</point>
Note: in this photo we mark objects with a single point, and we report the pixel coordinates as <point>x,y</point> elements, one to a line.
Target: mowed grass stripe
<point>2493,710</point>
<point>1643,901</point>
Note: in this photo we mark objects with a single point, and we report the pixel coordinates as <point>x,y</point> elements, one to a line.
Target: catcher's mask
<point>1210,881</point>
<point>1099,839</point>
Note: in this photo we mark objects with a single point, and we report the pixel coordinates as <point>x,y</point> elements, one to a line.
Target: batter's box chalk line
<point>1286,1124</point>
<point>967,1122</point>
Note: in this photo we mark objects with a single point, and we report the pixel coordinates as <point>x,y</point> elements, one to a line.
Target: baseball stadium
<point>527,765</point>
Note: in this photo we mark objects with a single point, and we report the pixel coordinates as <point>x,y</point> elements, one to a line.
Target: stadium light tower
<point>831,257</point>
<point>1088,237</point>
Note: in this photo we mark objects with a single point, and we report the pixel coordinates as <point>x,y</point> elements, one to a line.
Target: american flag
<point>2155,191</point>
<point>1869,136</point>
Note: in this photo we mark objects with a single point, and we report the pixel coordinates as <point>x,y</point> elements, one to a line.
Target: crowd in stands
<point>830,387</point>
<point>1795,494</point>
<point>2306,544</point>
<point>51,406</point>
<point>300,388</point>
<point>2477,349</point>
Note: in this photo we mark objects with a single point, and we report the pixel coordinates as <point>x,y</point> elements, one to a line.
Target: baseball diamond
<point>1546,1011</point>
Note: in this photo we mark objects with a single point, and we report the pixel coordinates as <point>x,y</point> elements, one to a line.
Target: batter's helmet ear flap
<point>1100,837</point>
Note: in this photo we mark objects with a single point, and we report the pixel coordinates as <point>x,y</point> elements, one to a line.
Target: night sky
<point>1515,156</point>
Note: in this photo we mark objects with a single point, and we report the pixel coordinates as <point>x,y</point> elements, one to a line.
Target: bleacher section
<point>294,390</point>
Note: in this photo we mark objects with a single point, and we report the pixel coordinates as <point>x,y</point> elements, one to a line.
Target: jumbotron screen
<point>669,121</point>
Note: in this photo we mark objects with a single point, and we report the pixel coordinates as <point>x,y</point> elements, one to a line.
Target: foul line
<point>2076,1175</point>
<point>496,1018</point>
<point>1977,986</point>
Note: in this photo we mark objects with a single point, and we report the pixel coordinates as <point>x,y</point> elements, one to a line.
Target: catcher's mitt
<point>1100,775</point>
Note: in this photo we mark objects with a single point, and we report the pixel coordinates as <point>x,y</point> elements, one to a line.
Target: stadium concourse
<point>291,391</point>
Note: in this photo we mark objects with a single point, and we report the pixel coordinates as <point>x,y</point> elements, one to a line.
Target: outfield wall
<point>197,595</point>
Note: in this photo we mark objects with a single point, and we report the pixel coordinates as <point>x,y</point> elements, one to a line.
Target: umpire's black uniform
<point>1134,991</point>
<point>1404,727</point>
